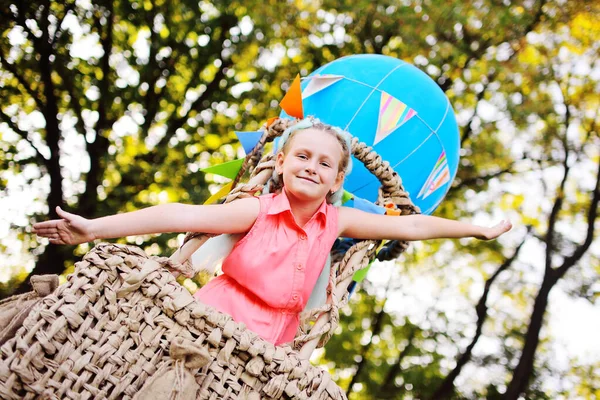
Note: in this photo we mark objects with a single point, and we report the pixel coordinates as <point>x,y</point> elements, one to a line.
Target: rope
<point>95,337</point>
<point>391,192</point>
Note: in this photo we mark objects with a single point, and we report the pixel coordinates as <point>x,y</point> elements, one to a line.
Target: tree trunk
<point>53,259</point>
<point>446,389</point>
<point>377,325</point>
<point>388,387</point>
<point>524,369</point>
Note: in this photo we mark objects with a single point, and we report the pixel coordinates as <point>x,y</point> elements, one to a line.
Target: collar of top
<point>281,203</point>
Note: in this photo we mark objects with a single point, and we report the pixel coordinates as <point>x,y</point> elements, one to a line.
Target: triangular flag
<point>366,205</point>
<point>361,274</point>
<point>271,120</point>
<point>318,83</point>
<point>222,192</point>
<point>292,101</point>
<point>346,196</point>
<point>439,176</point>
<point>392,114</point>
<point>228,170</point>
<point>318,296</point>
<point>249,140</point>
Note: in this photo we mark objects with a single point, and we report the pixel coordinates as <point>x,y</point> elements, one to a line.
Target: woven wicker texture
<point>122,327</point>
<point>120,318</point>
<point>15,309</point>
<point>355,258</point>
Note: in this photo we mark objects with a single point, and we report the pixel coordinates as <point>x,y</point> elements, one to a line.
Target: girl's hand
<point>71,229</point>
<point>495,231</point>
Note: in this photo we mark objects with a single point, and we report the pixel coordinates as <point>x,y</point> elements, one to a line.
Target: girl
<point>269,275</point>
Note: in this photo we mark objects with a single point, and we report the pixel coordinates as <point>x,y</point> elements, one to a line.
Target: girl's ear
<point>279,163</point>
<point>339,181</point>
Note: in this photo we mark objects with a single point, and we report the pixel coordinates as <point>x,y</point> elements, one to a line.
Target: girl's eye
<point>302,156</point>
<point>325,164</point>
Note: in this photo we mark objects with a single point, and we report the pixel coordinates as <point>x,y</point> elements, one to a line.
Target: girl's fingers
<point>45,228</point>
<point>503,227</point>
<point>45,231</point>
<point>63,214</point>
<point>46,224</point>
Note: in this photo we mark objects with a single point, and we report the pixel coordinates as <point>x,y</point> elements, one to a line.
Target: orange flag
<point>271,120</point>
<point>292,101</point>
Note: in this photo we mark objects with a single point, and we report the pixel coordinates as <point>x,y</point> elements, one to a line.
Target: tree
<point>116,105</point>
<point>147,100</point>
<point>506,74</point>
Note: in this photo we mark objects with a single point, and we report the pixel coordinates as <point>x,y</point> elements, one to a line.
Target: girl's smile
<point>310,165</point>
<point>307,179</point>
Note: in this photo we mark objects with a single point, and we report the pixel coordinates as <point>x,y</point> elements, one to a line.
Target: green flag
<point>362,273</point>
<point>347,196</point>
<point>228,170</point>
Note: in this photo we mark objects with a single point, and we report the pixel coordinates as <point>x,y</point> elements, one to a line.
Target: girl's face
<point>310,165</point>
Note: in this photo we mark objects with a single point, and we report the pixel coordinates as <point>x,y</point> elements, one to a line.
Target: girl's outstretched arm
<point>358,224</point>
<point>235,217</point>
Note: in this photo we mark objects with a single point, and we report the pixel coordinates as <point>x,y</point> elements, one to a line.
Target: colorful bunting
<point>221,193</point>
<point>437,178</point>
<point>318,296</point>
<point>362,204</point>
<point>346,197</point>
<point>361,274</point>
<point>249,140</point>
<point>271,120</point>
<point>292,101</point>
<point>392,114</point>
<point>366,205</point>
<point>228,170</point>
<point>318,83</point>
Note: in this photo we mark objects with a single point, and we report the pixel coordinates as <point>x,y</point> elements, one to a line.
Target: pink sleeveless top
<point>270,273</point>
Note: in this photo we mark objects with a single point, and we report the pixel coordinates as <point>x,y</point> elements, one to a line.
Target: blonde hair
<point>275,183</point>
<point>212,253</point>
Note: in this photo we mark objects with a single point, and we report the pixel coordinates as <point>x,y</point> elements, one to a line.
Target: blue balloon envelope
<point>400,111</point>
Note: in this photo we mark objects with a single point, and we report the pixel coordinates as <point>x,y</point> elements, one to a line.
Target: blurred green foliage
<point>113,105</point>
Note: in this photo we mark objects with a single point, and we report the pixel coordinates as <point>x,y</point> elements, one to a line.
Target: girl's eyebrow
<point>307,150</point>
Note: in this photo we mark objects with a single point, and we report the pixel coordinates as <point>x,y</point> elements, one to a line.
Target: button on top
<point>302,236</point>
<point>299,267</point>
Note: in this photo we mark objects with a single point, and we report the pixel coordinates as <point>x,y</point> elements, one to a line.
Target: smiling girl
<point>287,235</point>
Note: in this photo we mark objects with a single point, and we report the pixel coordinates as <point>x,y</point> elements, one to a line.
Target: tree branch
<point>97,148</point>
<point>592,214</point>
<point>388,382</point>
<point>13,70</point>
<point>74,99</point>
<point>211,88</point>
<point>468,129</point>
<point>20,19</point>
<point>446,389</point>
<point>58,32</point>
<point>474,180</point>
<point>104,84</point>
<point>560,195</point>
<point>44,23</point>
<point>24,135</point>
<point>153,73</point>
<point>377,324</point>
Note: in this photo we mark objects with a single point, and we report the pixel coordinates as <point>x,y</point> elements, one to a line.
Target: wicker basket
<point>114,324</point>
<point>122,327</point>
